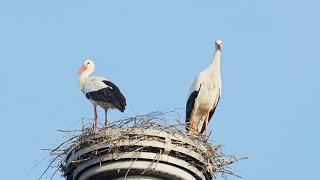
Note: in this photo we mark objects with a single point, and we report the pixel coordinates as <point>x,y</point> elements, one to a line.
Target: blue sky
<point>152,50</point>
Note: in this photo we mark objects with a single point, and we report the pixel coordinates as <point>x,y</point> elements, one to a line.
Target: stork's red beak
<point>82,68</point>
<point>219,46</point>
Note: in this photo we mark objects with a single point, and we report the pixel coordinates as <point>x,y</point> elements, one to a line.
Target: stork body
<point>204,95</point>
<point>99,91</point>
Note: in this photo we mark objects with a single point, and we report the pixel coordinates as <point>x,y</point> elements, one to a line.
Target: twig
<point>125,129</point>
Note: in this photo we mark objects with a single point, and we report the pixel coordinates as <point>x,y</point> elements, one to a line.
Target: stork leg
<point>206,124</point>
<point>95,123</point>
<point>191,126</point>
<point>191,129</point>
<point>106,116</point>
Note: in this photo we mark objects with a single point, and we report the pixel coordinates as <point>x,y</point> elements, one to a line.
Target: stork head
<point>87,68</point>
<point>219,45</point>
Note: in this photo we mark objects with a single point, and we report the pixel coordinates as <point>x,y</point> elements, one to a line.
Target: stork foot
<point>95,124</point>
<point>106,117</point>
<point>204,138</point>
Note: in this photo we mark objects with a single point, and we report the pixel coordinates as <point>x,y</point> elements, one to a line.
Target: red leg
<point>191,124</point>
<point>192,130</point>
<point>95,123</point>
<point>206,124</point>
<point>106,114</point>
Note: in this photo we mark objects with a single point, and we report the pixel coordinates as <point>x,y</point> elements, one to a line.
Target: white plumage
<point>91,83</point>
<point>204,94</point>
<point>99,91</point>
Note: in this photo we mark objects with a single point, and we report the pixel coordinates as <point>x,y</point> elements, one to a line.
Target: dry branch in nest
<point>158,132</point>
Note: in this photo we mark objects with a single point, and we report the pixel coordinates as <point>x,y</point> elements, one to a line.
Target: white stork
<point>204,95</point>
<point>99,91</point>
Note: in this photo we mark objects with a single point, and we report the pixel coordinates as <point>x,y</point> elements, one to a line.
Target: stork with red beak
<point>99,91</point>
<point>204,95</point>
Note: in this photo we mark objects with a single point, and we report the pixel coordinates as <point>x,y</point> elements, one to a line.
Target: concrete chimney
<point>133,153</point>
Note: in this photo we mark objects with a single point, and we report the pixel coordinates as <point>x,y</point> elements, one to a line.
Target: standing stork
<point>204,95</point>
<point>99,91</point>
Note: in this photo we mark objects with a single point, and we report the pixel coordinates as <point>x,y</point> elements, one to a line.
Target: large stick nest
<point>215,161</point>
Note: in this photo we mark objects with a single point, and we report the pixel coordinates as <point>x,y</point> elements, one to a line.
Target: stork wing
<point>190,104</point>
<point>110,94</point>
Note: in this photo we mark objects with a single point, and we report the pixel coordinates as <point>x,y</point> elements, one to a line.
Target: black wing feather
<point>110,94</point>
<point>190,106</point>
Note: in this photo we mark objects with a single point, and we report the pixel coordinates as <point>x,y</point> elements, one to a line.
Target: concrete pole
<point>161,156</point>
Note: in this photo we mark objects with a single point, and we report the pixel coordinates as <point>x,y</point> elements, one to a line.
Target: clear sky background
<point>153,50</point>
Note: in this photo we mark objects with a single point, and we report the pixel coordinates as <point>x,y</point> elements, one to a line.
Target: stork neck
<point>215,65</point>
<point>81,79</point>
<point>83,75</point>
